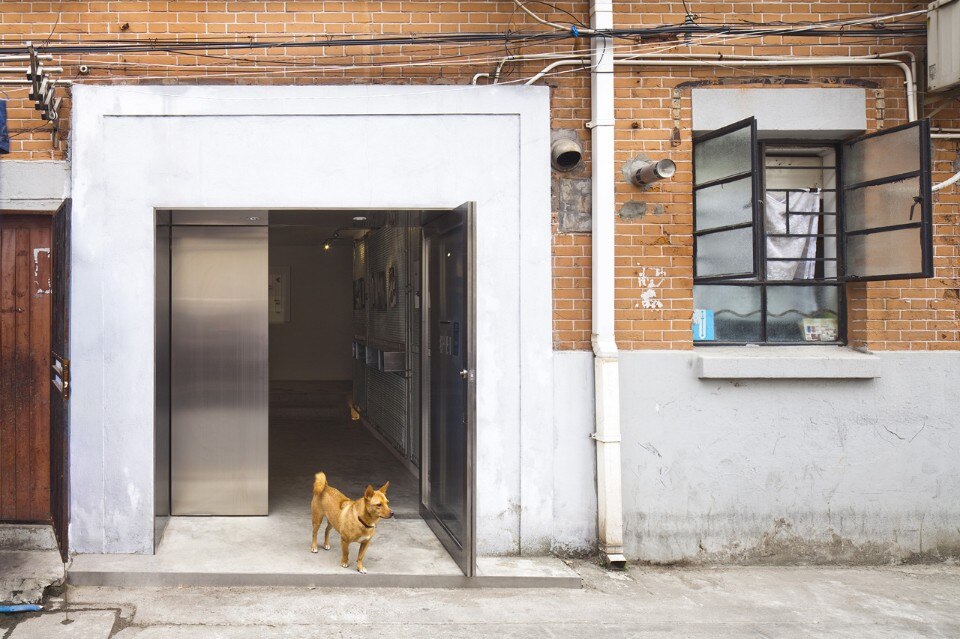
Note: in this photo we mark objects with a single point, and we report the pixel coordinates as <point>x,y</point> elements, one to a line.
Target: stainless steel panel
<point>161,421</point>
<point>219,369</point>
<point>219,217</point>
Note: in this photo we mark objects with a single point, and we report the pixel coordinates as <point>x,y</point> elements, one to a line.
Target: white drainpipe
<point>606,356</point>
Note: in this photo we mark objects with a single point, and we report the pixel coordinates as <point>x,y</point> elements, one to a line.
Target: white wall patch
<point>648,299</point>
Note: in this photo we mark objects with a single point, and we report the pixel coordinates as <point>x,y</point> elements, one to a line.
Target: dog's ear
<point>369,492</point>
<point>383,489</point>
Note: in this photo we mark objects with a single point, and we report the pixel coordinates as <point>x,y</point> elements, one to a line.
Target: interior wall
<point>315,344</point>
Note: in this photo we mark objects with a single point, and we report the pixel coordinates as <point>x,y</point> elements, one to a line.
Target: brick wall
<point>653,249</point>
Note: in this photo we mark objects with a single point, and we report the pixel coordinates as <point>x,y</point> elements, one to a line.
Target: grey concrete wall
<point>435,148</point>
<point>784,470</point>
<point>33,185</point>
<point>831,113</point>
<point>574,453</point>
<point>315,343</point>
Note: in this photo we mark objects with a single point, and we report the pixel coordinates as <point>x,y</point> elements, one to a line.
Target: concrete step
<point>27,537</point>
<point>492,572</point>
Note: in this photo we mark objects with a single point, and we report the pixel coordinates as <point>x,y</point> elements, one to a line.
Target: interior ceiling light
<point>360,218</point>
<point>330,240</point>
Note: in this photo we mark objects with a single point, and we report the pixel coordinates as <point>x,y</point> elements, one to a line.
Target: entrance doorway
<point>367,375</point>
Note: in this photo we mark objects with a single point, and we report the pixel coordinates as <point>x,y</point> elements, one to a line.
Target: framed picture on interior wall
<point>380,290</point>
<point>392,295</point>
<point>359,294</point>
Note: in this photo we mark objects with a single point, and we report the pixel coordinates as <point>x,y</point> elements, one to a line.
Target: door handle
<point>465,374</point>
<point>61,374</point>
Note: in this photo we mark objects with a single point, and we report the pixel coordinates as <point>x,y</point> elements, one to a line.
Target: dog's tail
<point>319,483</point>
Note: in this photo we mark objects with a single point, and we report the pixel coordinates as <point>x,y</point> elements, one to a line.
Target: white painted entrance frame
<point>139,148</point>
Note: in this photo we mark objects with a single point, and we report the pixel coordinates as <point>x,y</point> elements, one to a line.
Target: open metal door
<point>60,377</point>
<point>449,381</point>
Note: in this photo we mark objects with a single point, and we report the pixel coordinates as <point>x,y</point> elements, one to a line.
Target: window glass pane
<point>786,172</point>
<point>724,204</point>
<point>803,314</point>
<point>885,253</point>
<point>882,205</point>
<point>722,156</point>
<point>725,253</point>
<point>792,257</point>
<point>729,313</point>
<point>882,156</point>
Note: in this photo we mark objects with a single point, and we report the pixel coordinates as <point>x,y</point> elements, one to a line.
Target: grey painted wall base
<point>863,471</point>
<point>33,185</point>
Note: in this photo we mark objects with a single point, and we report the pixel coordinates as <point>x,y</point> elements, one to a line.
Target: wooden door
<point>59,375</point>
<point>25,307</point>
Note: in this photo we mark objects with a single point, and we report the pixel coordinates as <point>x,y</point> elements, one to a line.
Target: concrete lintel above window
<point>806,113</point>
<point>785,362</point>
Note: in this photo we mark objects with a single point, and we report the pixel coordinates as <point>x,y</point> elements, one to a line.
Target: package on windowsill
<point>820,329</point>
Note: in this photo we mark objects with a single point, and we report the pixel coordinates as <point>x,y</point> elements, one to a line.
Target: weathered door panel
<point>58,372</point>
<point>25,306</point>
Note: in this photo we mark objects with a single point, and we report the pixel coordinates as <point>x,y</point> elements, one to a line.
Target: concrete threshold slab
<point>494,572</point>
<point>275,551</point>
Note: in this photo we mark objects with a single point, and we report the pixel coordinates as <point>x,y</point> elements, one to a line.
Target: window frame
<point>755,194</point>
<point>925,178</point>
<point>760,280</point>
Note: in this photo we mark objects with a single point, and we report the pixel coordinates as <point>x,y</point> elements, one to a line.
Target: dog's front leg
<point>344,553</point>
<point>363,551</point>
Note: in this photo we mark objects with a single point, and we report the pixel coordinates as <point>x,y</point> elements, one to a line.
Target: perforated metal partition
<point>414,334</point>
<point>360,293</point>
<point>381,260</point>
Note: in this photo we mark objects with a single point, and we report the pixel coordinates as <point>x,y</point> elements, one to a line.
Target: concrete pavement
<point>903,601</point>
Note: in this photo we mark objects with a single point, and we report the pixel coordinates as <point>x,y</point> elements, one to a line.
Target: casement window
<point>781,225</point>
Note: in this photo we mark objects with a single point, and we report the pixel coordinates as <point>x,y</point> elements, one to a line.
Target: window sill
<point>785,362</point>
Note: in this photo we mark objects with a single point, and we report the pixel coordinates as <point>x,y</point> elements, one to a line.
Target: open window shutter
<point>725,201</point>
<point>887,204</point>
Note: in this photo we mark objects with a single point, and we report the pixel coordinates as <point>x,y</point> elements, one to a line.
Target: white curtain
<point>775,221</point>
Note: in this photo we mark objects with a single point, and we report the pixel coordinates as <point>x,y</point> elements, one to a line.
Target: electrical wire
<point>837,28</point>
<point>55,24</point>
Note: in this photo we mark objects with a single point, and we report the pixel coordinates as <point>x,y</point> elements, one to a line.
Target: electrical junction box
<point>943,44</point>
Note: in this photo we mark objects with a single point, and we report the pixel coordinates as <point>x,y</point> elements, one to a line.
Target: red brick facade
<point>918,314</point>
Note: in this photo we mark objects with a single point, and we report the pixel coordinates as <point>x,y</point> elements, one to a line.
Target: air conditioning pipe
<point>565,154</point>
<point>723,61</point>
<point>650,172</point>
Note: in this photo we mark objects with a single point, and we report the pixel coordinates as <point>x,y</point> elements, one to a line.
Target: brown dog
<point>355,520</point>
